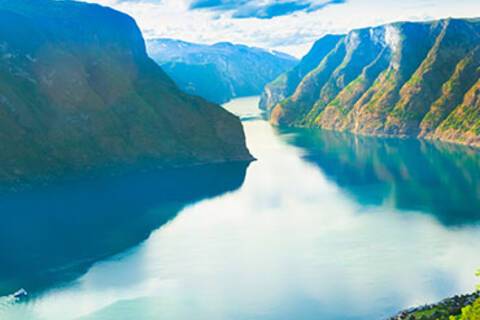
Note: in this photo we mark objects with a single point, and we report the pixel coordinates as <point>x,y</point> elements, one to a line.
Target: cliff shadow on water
<point>52,235</point>
<point>440,179</point>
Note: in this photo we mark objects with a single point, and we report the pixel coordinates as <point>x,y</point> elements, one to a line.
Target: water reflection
<point>289,244</point>
<point>436,178</point>
<point>53,235</point>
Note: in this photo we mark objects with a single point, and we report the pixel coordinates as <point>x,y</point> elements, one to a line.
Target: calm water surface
<point>322,226</point>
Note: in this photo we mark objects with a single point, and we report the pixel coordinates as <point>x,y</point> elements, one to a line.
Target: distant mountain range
<point>78,92</point>
<point>402,79</point>
<point>221,71</point>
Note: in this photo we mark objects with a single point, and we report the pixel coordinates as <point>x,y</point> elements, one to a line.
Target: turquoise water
<point>322,226</point>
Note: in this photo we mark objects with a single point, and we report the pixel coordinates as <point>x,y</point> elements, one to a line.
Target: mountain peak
<point>218,72</point>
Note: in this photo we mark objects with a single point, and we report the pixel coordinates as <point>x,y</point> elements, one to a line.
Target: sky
<point>290,26</point>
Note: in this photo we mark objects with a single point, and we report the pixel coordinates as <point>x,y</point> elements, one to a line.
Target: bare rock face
<point>401,79</point>
<point>78,92</point>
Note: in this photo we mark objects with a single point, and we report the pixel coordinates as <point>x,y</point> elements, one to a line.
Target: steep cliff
<point>78,92</point>
<point>286,83</point>
<point>401,79</point>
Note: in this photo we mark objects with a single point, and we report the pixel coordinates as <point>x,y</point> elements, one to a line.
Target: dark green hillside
<point>78,92</point>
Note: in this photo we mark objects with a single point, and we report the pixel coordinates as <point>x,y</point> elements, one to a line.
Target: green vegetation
<point>296,109</point>
<point>80,99</point>
<point>478,275</point>
<point>464,77</point>
<point>402,79</point>
<point>286,83</point>
<point>466,307</point>
<point>457,308</point>
<point>451,310</point>
<point>471,312</point>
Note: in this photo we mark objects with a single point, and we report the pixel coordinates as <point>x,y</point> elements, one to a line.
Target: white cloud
<point>292,33</point>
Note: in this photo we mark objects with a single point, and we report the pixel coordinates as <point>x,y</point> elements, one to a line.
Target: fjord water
<point>323,226</point>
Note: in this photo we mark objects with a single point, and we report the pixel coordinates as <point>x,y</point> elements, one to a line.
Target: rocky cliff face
<point>221,71</point>
<point>78,92</point>
<point>285,85</point>
<point>402,79</point>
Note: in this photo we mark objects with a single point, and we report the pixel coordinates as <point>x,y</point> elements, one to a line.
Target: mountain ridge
<point>405,79</point>
<point>221,71</point>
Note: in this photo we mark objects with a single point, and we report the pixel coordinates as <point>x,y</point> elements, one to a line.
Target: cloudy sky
<point>288,25</point>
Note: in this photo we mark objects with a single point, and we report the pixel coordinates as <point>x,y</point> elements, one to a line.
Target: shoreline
<point>447,307</point>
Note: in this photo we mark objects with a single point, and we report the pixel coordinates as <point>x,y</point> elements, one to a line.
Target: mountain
<point>402,79</point>
<point>75,99</point>
<point>221,71</point>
